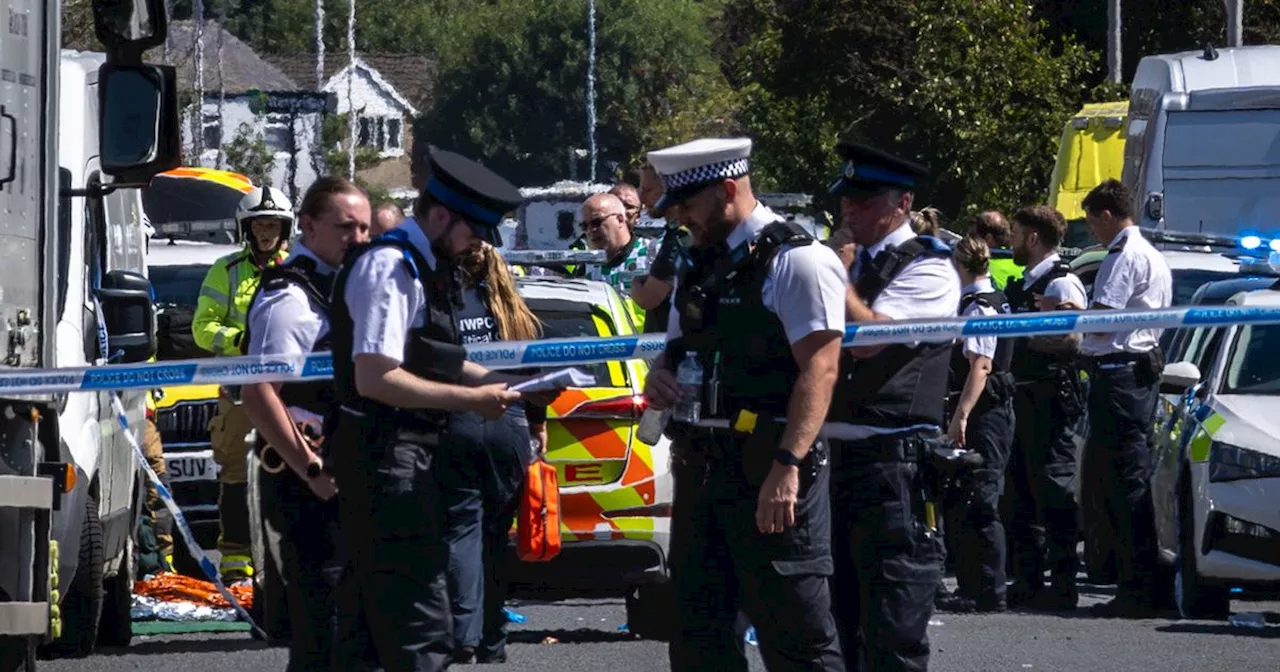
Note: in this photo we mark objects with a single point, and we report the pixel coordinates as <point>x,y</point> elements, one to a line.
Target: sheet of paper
<point>556,380</point>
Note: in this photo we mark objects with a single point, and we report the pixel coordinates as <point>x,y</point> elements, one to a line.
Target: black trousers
<point>1119,465</point>
<point>977,532</point>
<point>1044,514</point>
<point>390,511</point>
<point>482,469</point>
<point>314,558</point>
<point>888,562</point>
<point>721,564</point>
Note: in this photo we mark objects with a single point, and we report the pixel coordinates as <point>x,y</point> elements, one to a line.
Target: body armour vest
<point>723,316</point>
<point>1029,364</point>
<point>475,322</point>
<point>1002,361</point>
<point>432,351</point>
<point>312,395</point>
<point>901,385</point>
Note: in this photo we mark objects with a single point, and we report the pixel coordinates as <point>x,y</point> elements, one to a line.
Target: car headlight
<point>1233,463</point>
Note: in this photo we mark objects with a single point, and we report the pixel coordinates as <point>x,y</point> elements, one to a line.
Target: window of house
<point>385,134</point>
<point>277,132</point>
<point>212,132</point>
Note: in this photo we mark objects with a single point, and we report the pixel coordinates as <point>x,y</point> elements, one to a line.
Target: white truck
<point>1199,151</point>
<point>79,134</point>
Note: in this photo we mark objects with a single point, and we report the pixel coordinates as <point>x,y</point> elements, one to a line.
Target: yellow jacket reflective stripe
<point>223,306</point>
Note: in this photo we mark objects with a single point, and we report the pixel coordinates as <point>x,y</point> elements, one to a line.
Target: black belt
<point>1120,358</point>
<point>902,447</point>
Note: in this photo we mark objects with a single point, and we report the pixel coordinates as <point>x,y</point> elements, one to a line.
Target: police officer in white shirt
<point>1126,370</point>
<point>289,316</point>
<point>886,416</point>
<point>759,304</point>
<point>399,371</point>
<point>1049,403</point>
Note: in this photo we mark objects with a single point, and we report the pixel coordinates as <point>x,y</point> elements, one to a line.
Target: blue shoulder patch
<point>935,244</point>
<point>400,238</point>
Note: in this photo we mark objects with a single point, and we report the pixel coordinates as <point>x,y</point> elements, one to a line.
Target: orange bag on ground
<point>538,527</point>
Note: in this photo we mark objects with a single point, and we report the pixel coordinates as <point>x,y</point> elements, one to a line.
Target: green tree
<point>977,89</point>
<point>247,153</point>
<point>513,77</point>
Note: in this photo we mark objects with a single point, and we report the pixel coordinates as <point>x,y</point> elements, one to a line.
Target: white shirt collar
<point>1035,273</point>
<point>418,238</point>
<point>751,227</point>
<point>895,238</point>
<point>979,286</point>
<point>1126,232</point>
<point>300,250</point>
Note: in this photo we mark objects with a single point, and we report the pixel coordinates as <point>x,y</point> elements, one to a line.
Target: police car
<point>177,270</point>
<point>615,490</point>
<point>1216,482</point>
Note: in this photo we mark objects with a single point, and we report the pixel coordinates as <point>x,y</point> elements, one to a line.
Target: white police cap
<point>685,169</point>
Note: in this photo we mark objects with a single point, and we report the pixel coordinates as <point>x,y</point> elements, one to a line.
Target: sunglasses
<point>598,221</point>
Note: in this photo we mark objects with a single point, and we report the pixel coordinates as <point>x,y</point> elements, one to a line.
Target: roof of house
<point>410,76</point>
<point>242,68</point>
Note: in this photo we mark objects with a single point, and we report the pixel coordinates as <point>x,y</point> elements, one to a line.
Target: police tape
<point>188,537</point>
<point>576,351</point>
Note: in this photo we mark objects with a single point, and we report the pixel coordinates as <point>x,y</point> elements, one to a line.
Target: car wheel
<point>1196,599</point>
<point>117,620</point>
<point>651,610</point>
<point>82,606</point>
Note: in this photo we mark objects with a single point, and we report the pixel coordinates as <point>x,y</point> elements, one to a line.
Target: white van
<point>1202,152</point>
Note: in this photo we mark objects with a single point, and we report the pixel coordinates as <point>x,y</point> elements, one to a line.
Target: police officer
<point>886,415</point>
<point>399,370</point>
<point>992,227</point>
<point>1125,377</point>
<point>983,424</point>
<point>289,317</point>
<point>1049,405</point>
<point>652,292</point>
<point>760,307</point>
<point>265,220</point>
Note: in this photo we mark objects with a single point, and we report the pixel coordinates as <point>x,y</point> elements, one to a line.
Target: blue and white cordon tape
<point>574,351</point>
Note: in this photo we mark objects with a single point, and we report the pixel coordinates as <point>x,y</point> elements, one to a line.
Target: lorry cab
<point>1198,146</point>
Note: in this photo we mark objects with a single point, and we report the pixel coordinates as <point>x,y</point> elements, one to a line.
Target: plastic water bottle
<point>689,377</point>
<point>652,424</point>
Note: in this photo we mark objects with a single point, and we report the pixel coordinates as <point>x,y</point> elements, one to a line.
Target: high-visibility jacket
<point>223,307</point>
<point>1003,269</point>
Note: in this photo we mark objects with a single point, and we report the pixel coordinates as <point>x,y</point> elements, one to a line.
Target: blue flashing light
<point>1275,245</point>
<point>1251,242</point>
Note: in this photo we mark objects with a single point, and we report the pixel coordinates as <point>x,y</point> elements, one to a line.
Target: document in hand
<point>556,380</point>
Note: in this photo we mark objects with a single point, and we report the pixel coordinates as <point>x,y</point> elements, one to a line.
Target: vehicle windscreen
<point>1254,367</point>
<point>576,322</point>
<point>177,285</point>
<point>1187,281</point>
<point>1222,173</point>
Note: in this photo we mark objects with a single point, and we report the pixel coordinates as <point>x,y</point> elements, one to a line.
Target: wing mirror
<point>137,115</point>
<point>130,314</point>
<point>129,25</point>
<point>1178,377</point>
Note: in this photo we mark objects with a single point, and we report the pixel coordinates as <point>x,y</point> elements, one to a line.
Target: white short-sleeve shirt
<point>927,287</point>
<point>983,346</point>
<point>286,321</point>
<point>384,299</point>
<point>1068,288</point>
<point>805,285</point>
<point>1134,275</point>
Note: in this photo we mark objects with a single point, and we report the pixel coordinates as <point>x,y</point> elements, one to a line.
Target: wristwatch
<point>786,458</point>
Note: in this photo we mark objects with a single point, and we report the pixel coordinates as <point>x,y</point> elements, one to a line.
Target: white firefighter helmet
<point>265,202</point>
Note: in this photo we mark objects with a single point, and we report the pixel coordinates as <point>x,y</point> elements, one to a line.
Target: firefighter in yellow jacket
<point>265,221</point>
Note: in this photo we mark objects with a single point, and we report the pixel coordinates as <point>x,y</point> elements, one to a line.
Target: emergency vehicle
<point>1090,151</point>
<point>615,490</point>
<point>1216,482</point>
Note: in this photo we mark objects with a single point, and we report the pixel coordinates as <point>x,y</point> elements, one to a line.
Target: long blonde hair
<point>515,321</point>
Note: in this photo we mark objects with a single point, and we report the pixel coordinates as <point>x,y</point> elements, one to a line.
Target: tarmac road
<point>587,638</point>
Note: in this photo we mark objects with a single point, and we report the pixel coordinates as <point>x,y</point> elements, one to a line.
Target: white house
<point>386,92</point>
<point>246,96</point>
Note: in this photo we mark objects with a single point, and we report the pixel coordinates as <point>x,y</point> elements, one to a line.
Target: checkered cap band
<point>721,170</point>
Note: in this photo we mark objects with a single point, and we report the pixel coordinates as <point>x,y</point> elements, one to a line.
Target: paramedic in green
<point>604,221</point>
<point>992,228</point>
<point>265,221</point>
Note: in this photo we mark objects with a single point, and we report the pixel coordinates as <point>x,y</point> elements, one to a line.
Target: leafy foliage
<point>247,153</point>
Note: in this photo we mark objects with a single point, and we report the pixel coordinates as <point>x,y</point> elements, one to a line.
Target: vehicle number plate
<point>192,467</point>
